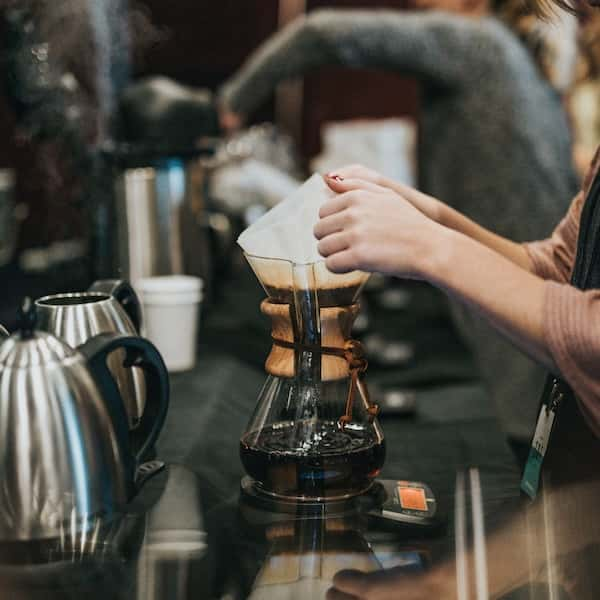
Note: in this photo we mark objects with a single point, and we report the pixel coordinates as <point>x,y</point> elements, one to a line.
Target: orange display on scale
<point>412,498</point>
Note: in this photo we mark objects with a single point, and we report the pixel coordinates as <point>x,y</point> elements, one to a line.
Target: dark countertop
<point>185,536</point>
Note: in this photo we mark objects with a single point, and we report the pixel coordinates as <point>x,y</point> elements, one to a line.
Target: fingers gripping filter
<point>286,231</point>
<point>284,237</point>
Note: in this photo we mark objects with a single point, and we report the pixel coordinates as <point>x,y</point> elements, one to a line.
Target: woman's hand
<point>344,179</point>
<point>372,228</point>
<point>428,205</point>
<point>392,584</point>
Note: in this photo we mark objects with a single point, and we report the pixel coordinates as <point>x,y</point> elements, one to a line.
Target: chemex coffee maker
<point>314,435</point>
<point>314,442</point>
<point>313,447</point>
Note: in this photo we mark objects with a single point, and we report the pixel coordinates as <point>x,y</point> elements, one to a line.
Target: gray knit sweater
<point>494,140</point>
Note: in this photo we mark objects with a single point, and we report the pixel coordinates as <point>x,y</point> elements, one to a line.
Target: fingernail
<point>335,177</point>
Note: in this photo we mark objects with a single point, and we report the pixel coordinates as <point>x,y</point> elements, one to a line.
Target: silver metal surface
<point>160,220</point>
<point>138,224</point>
<point>75,318</point>
<point>60,463</point>
<point>43,349</point>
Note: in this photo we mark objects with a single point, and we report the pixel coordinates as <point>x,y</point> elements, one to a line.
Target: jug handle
<point>3,333</point>
<point>124,294</point>
<point>140,353</point>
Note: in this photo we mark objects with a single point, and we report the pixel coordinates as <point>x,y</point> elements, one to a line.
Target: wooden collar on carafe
<point>336,331</point>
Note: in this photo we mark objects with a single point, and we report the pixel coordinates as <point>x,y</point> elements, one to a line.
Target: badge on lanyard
<point>530,482</point>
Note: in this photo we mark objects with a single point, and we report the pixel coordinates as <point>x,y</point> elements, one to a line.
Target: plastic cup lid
<point>169,284</point>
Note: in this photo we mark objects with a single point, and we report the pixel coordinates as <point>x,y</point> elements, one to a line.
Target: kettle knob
<point>26,318</point>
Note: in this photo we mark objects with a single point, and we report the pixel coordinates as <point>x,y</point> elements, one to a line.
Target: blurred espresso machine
<point>153,217</point>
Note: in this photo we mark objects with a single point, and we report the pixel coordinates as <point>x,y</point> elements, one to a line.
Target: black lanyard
<point>557,392</point>
<point>586,271</point>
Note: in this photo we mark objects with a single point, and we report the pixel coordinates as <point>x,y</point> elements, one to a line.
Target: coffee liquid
<point>327,297</point>
<point>331,462</point>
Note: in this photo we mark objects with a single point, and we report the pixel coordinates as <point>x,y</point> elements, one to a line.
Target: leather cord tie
<point>353,353</point>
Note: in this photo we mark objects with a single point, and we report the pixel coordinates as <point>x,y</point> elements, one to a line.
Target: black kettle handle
<point>139,353</point>
<point>124,294</point>
<point>3,333</point>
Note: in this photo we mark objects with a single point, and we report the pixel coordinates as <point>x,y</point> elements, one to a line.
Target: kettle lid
<point>28,347</point>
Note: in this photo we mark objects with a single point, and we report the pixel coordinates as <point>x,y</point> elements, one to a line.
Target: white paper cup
<point>171,306</point>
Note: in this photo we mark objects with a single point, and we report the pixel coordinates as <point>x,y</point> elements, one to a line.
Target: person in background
<point>494,141</point>
<point>583,99</point>
<point>553,41</point>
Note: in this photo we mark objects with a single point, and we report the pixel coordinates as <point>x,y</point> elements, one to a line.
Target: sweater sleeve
<point>571,316</point>
<point>572,332</point>
<point>554,257</point>
<point>441,48</point>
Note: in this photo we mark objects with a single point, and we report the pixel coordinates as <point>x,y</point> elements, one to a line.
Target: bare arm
<point>452,219</point>
<point>441,213</point>
<point>495,284</point>
<point>373,228</point>
<point>510,250</point>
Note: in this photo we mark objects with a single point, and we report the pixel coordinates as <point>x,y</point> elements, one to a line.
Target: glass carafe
<point>314,432</point>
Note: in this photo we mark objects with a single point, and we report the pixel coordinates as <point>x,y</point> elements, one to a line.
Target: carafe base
<point>299,499</point>
<point>254,495</point>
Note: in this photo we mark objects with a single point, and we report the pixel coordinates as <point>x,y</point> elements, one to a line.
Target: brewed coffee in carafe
<point>314,432</point>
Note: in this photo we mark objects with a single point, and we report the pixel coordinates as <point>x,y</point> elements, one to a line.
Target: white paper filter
<point>286,231</point>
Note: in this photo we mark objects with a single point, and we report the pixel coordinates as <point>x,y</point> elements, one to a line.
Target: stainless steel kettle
<point>65,454</point>
<point>109,306</point>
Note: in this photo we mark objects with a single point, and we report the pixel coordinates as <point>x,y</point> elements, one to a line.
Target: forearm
<point>508,296</point>
<point>510,250</point>
<point>373,228</point>
<point>452,219</point>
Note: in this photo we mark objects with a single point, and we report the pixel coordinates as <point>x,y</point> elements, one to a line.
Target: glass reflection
<point>306,554</point>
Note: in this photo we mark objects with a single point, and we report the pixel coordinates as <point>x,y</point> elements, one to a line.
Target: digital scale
<point>388,503</point>
<point>407,504</point>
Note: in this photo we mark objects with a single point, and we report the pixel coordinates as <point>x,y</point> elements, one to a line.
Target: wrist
<point>438,253</point>
<point>431,207</point>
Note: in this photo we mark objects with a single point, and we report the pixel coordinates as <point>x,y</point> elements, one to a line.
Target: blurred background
<point>102,48</point>
<point>195,44</point>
